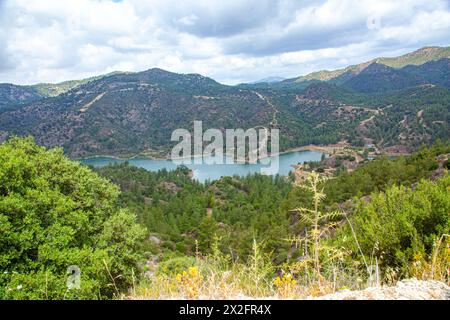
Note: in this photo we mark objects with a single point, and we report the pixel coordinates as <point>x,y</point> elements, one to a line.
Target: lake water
<point>203,172</point>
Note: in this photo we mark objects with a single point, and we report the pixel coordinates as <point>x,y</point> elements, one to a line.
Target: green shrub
<point>55,213</point>
<point>400,223</point>
<point>176,265</point>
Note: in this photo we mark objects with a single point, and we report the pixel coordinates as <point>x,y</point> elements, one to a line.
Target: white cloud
<point>188,20</point>
<point>232,41</point>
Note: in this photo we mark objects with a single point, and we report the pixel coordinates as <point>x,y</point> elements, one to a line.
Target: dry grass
<point>437,265</point>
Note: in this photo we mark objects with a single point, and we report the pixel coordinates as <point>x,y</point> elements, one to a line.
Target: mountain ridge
<point>417,57</point>
<point>125,114</point>
<point>272,79</point>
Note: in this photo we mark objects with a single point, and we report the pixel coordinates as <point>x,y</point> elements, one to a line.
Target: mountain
<point>379,78</point>
<point>409,117</point>
<point>54,89</point>
<point>417,57</point>
<point>325,91</point>
<point>12,95</point>
<point>268,80</point>
<point>124,114</point>
<point>437,72</point>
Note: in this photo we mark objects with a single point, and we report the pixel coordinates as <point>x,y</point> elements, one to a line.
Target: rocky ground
<point>410,289</point>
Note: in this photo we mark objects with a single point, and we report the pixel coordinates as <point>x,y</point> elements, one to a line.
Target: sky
<point>231,41</point>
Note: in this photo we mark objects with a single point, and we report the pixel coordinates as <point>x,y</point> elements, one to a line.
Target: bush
<point>55,213</point>
<point>402,223</point>
<point>176,265</point>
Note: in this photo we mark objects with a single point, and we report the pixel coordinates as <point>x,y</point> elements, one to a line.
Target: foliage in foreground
<point>56,213</point>
<point>213,276</point>
<point>235,236</point>
<point>403,226</point>
<point>402,232</point>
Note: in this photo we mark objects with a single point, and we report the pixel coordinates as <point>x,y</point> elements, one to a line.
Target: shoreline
<point>123,158</point>
<point>326,149</point>
<point>322,149</point>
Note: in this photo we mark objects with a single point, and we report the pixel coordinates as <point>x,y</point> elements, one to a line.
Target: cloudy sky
<point>231,41</point>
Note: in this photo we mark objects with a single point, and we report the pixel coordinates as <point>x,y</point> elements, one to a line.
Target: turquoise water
<point>203,171</point>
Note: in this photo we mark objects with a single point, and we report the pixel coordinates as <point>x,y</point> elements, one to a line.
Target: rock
<point>148,201</point>
<point>155,240</point>
<point>148,274</point>
<point>411,289</point>
<point>170,186</point>
<point>153,260</point>
<point>150,266</point>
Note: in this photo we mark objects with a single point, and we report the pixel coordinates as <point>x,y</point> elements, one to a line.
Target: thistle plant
<point>317,222</point>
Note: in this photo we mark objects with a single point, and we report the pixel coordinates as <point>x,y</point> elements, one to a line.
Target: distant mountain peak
<point>157,71</point>
<point>268,80</point>
<point>161,73</point>
<point>55,89</point>
<point>376,67</point>
<point>417,57</point>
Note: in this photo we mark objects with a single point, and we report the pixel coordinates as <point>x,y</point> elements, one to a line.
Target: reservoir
<point>203,171</point>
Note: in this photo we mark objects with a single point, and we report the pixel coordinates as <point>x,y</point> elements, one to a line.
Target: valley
<point>361,197</point>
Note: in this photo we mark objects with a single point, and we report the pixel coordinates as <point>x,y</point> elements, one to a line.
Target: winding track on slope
<point>274,122</point>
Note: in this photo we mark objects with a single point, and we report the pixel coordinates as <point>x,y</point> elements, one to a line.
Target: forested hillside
<point>254,235</point>
<point>12,96</point>
<point>394,104</point>
<point>249,234</point>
